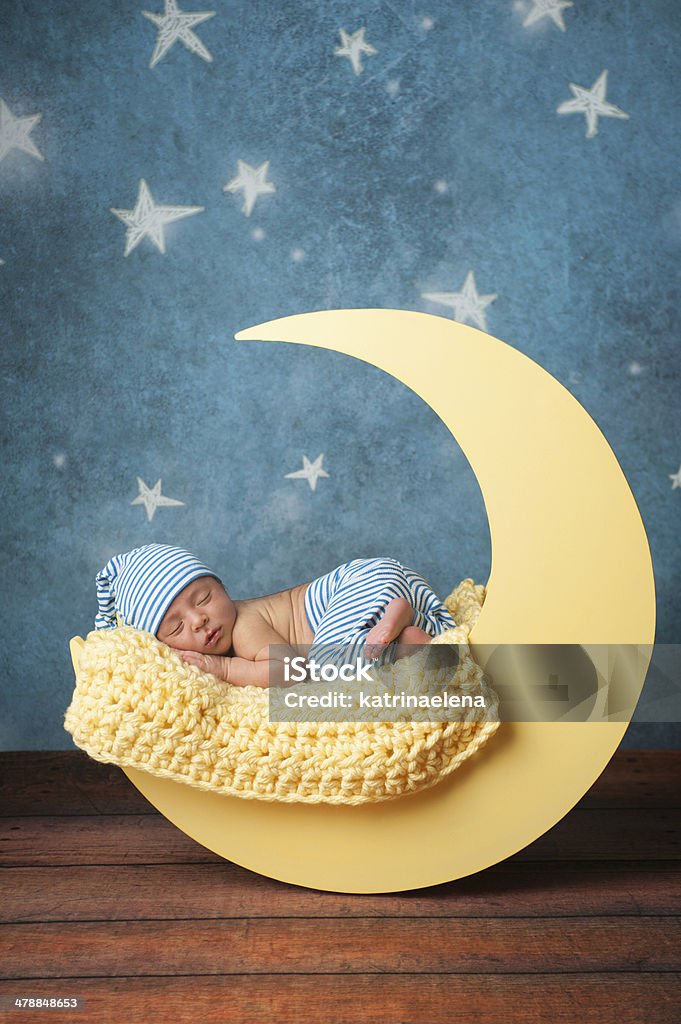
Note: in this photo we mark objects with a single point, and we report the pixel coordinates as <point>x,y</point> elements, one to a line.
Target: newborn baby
<point>367,604</point>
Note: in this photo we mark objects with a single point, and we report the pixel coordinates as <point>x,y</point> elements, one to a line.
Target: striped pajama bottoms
<point>347,602</point>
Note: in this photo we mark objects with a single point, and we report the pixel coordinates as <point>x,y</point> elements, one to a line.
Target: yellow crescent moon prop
<point>570,565</point>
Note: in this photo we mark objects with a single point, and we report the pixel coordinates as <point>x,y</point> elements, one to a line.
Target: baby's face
<point>201,618</point>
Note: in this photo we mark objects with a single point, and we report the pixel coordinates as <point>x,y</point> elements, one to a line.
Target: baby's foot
<point>410,641</point>
<point>396,617</point>
<point>377,640</point>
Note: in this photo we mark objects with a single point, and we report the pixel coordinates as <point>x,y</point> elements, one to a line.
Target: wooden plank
<point>100,839</point>
<point>638,778</point>
<point>338,946</point>
<point>633,998</point>
<point>174,891</point>
<point>65,782</point>
<point>584,834</point>
<point>69,782</point>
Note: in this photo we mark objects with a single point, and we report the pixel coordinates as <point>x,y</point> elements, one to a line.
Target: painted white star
<point>353,47</point>
<point>175,24</point>
<point>149,219</point>
<point>14,132</point>
<point>591,102</point>
<point>675,479</point>
<point>311,471</point>
<point>552,9</point>
<point>467,304</point>
<point>152,498</point>
<point>252,181</point>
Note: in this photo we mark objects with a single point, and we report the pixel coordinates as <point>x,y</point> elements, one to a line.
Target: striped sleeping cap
<point>136,587</point>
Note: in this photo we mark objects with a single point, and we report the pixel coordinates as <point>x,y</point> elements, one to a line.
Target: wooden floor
<point>105,900</point>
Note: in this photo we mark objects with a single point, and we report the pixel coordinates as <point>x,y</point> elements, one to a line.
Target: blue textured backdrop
<point>445,154</point>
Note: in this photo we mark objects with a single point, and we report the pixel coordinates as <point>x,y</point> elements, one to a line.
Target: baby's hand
<point>214,664</point>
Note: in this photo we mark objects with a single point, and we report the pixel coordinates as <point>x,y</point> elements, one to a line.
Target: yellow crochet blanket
<point>137,704</point>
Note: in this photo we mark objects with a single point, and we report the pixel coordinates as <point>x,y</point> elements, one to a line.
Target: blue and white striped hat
<point>137,587</point>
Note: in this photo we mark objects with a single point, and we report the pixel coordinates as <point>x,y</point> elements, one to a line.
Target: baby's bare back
<point>284,612</point>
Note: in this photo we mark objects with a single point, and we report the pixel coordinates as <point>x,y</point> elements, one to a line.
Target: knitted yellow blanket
<point>137,704</point>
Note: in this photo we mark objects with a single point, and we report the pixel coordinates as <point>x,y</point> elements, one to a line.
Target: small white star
<point>257,234</point>
<point>675,479</point>
<point>591,102</point>
<point>149,219</point>
<point>14,132</point>
<point>59,460</point>
<point>441,186</point>
<point>152,498</point>
<point>635,369</point>
<point>552,9</point>
<point>393,87</point>
<point>297,255</point>
<point>252,181</point>
<point>311,471</point>
<point>427,23</point>
<point>467,304</point>
<point>175,24</point>
<point>353,47</point>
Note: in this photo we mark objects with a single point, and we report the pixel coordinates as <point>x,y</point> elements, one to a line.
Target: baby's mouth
<point>212,637</point>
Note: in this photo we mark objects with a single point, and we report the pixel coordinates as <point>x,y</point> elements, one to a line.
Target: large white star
<point>591,102</point>
<point>467,304</point>
<point>14,132</point>
<point>552,9</point>
<point>175,24</point>
<point>252,181</point>
<point>353,47</point>
<point>152,498</point>
<point>149,219</point>
<point>311,471</point>
<point>675,479</point>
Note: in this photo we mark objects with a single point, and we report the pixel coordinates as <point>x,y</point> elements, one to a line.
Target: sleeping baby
<point>367,604</point>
